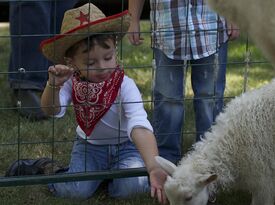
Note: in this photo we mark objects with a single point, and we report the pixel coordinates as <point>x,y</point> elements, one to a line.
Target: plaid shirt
<point>186,29</point>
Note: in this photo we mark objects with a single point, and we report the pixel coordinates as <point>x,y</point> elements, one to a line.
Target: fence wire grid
<point>21,138</point>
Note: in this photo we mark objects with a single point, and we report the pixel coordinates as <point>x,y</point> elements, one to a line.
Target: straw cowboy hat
<point>78,24</point>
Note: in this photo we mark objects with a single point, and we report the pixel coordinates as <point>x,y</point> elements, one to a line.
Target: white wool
<point>239,149</point>
<point>255,17</point>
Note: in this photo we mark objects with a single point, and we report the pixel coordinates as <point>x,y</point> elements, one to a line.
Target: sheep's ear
<point>168,166</point>
<point>207,179</point>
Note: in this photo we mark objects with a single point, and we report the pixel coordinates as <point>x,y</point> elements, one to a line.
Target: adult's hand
<point>135,8</point>
<point>233,31</point>
<point>134,35</point>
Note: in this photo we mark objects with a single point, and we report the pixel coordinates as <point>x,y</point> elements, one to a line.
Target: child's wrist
<point>52,86</point>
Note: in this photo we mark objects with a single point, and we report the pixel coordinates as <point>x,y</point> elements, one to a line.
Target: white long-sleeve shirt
<point>113,127</point>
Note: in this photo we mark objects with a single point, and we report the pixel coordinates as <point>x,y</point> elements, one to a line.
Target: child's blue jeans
<point>86,157</point>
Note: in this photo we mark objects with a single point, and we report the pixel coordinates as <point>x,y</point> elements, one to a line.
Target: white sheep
<point>238,152</point>
<point>255,17</point>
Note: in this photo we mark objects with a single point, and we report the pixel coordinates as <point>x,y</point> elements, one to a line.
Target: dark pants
<point>30,23</point>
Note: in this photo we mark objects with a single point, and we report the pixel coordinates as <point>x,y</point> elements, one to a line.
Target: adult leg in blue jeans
<point>169,93</point>
<point>168,105</point>
<point>30,23</point>
<point>208,83</point>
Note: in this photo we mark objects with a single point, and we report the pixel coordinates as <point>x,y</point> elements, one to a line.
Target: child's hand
<point>58,74</point>
<point>157,180</point>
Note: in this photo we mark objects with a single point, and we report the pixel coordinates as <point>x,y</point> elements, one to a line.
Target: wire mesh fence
<point>23,138</point>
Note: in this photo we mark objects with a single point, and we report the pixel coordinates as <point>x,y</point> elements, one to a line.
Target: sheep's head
<point>183,187</point>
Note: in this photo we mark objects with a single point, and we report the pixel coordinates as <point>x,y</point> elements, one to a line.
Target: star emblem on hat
<point>83,18</point>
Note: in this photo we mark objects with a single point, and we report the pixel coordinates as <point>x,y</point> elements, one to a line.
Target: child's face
<point>97,63</point>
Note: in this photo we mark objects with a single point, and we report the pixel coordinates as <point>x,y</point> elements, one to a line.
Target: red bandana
<point>93,100</point>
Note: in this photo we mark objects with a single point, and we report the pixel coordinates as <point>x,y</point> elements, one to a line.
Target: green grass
<point>54,137</point>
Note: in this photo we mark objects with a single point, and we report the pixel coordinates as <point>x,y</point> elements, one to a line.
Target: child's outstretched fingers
<point>157,180</point>
<point>159,194</point>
